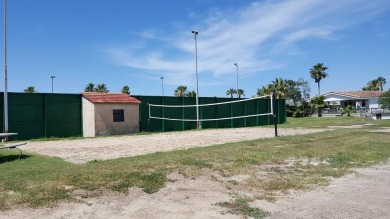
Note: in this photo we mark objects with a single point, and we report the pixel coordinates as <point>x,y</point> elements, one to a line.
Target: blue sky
<point>134,43</point>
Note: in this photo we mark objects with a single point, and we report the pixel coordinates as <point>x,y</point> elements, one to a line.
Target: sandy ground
<point>365,194</point>
<point>84,150</point>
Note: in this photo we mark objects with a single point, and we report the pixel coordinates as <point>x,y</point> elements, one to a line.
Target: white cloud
<point>150,34</point>
<point>226,37</point>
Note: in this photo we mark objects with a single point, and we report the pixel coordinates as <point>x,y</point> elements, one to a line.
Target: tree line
<point>296,91</point>
<point>99,88</point>
<point>181,91</point>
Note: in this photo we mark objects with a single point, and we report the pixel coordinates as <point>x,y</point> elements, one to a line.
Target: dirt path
<point>365,194</point>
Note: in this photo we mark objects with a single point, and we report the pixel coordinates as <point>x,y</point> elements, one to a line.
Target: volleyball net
<point>235,109</point>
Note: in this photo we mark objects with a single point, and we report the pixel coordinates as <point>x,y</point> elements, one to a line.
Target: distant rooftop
<point>356,94</point>
<point>95,97</point>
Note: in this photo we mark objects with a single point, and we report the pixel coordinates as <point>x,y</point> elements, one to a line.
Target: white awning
<point>332,99</point>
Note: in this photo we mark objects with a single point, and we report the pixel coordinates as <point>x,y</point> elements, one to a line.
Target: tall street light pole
<point>197,83</point>
<point>237,76</point>
<point>52,78</point>
<point>162,85</point>
<point>5,73</point>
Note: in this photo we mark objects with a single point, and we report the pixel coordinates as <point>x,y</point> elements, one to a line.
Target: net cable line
<point>211,104</point>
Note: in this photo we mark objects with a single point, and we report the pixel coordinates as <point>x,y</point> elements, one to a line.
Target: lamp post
<point>52,78</point>
<point>197,83</point>
<point>237,76</point>
<point>5,73</point>
<point>162,85</point>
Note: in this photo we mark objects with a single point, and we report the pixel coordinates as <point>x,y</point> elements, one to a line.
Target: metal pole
<point>162,102</point>
<point>162,85</point>
<point>274,114</point>
<point>52,77</point>
<point>198,126</point>
<point>237,77</point>
<point>5,73</point>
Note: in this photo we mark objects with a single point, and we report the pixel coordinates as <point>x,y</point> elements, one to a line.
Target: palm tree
<point>318,73</point>
<point>280,88</point>
<point>318,103</point>
<point>90,87</point>
<point>264,90</point>
<point>125,90</point>
<point>230,92</point>
<point>181,91</point>
<point>373,85</point>
<point>381,81</point>
<point>348,110</point>
<point>191,94</point>
<point>240,92</point>
<point>30,89</point>
<point>101,88</point>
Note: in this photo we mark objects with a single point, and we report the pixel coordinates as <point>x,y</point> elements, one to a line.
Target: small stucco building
<point>109,114</point>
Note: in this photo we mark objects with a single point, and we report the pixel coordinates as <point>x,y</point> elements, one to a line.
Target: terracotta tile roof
<point>109,98</point>
<point>357,94</point>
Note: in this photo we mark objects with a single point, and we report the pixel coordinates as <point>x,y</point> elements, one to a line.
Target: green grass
<point>240,206</point>
<point>323,122</point>
<point>36,180</point>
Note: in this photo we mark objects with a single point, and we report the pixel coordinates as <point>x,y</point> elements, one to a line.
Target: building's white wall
<point>373,103</point>
<point>88,118</point>
<point>370,103</point>
<point>105,124</point>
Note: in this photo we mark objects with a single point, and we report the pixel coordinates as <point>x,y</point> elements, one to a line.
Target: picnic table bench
<point>11,146</point>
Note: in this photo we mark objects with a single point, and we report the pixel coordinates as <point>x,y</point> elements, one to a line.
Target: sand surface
<point>84,150</point>
<point>365,194</point>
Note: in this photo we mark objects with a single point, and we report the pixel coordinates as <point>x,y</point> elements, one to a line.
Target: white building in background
<point>109,114</point>
<point>363,101</point>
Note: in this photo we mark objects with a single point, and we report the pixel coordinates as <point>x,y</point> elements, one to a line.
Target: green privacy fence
<point>255,106</point>
<point>40,115</point>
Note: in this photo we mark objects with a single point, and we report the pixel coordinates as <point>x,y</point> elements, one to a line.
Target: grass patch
<point>340,160</point>
<point>197,163</point>
<point>37,181</point>
<point>323,122</point>
<point>240,206</point>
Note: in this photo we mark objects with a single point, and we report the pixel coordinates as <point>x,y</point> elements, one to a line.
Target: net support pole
<point>149,117</point>
<point>5,74</point>
<point>163,114</point>
<point>198,124</point>
<point>274,114</point>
